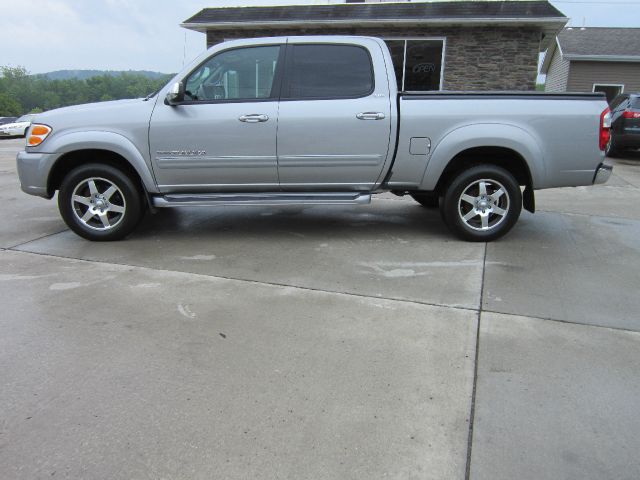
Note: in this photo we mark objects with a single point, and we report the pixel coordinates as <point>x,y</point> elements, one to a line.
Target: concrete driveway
<point>322,343</point>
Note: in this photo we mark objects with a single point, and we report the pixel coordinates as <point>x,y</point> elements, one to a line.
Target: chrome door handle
<point>253,118</point>
<point>370,116</point>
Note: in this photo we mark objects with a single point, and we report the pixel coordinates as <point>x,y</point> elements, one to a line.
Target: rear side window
<point>635,103</point>
<point>328,71</point>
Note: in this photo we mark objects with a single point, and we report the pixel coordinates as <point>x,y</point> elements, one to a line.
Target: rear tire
<point>100,202</point>
<point>482,204</point>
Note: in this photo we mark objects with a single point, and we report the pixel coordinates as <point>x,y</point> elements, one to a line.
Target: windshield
<point>25,118</point>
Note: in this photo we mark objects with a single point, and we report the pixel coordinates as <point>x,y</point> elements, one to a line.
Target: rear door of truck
<point>335,114</point>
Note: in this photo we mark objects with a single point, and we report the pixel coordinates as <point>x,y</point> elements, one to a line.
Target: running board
<point>215,199</point>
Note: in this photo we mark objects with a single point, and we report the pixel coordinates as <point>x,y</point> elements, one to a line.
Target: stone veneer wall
<point>476,58</point>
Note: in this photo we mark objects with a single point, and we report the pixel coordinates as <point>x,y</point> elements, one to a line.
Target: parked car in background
<point>625,123</point>
<point>5,120</point>
<point>18,128</point>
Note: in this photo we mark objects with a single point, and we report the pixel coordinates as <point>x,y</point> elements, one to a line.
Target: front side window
<point>238,74</point>
<point>329,71</point>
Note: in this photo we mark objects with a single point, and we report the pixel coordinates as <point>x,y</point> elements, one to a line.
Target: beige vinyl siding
<point>558,74</point>
<point>583,75</point>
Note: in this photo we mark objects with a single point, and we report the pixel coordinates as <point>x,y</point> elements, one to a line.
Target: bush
<point>8,106</point>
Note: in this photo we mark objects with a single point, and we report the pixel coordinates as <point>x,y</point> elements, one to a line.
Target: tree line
<point>22,93</point>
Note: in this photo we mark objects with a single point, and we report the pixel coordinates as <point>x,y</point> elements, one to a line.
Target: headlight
<point>37,134</point>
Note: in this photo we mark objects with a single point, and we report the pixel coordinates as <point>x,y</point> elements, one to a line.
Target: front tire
<point>100,202</point>
<point>482,204</point>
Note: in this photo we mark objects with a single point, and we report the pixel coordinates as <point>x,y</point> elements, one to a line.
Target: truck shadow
<point>379,219</point>
<point>632,156</point>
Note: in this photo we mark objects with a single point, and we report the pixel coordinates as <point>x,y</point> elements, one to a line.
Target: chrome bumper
<point>603,172</point>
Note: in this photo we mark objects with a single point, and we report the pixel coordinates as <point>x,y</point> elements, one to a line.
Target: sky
<point>47,35</point>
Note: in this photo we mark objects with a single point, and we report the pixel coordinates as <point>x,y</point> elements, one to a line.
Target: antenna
<point>184,48</point>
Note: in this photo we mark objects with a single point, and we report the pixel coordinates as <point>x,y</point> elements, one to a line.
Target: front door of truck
<point>223,136</point>
<point>335,118</point>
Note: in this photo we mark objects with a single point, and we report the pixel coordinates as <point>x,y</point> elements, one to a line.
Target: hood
<point>107,116</point>
<point>96,107</point>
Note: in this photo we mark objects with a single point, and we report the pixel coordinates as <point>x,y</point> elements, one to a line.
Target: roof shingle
<point>450,10</point>
<point>596,41</point>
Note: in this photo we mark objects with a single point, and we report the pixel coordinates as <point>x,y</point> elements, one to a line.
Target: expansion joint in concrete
<point>475,369</point>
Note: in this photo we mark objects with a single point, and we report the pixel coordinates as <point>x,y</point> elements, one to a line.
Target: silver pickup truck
<point>311,120</point>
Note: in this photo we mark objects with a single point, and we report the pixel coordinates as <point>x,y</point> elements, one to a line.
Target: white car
<point>18,128</point>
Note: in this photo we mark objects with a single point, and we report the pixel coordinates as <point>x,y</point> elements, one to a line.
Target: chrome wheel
<point>484,204</point>
<point>98,203</point>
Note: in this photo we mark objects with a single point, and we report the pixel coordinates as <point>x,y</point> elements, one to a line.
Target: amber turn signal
<point>38,134</point>
<point>40,130</point>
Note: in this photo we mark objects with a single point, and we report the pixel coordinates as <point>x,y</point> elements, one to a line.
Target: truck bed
<point>558,130</point>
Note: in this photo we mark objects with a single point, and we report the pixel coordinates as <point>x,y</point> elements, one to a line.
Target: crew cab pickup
<point>311,120</point>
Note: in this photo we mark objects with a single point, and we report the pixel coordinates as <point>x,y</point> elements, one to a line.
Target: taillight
<point>605,128</point>
<point>630,114</point>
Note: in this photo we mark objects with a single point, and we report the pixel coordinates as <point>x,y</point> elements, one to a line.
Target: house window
<point>611,90</point>
<point>418,63</point>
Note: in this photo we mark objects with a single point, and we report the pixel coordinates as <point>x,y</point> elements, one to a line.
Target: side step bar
<point>215,199</point>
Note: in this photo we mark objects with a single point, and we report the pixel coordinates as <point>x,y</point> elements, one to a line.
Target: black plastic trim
<point>387,177</point>
<point>529,199</point>
<point>215,102</point>
<point>499,95</point>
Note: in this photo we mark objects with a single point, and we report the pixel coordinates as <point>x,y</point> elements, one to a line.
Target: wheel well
<point>70,160</point>
<point>506,158</point>
<point>503,157</point>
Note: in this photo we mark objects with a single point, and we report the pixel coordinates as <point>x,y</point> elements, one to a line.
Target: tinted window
<point>423,65</point>
<point>239,74</point>
<point>610,91</point>
<point>635,103</point>
<point>329,71</point>
<point>617,101</point>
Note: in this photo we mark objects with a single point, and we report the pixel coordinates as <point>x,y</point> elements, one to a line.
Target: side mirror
<point>175,95</point>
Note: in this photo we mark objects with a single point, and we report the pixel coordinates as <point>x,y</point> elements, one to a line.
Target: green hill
<point>85,74</point>
<point>21,92</point>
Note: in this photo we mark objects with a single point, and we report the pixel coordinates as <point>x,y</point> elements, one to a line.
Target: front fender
<point>484,135</point>
<point>103,140</point>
